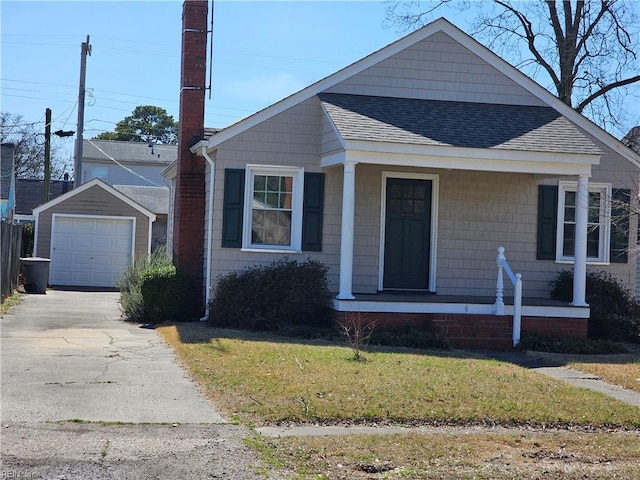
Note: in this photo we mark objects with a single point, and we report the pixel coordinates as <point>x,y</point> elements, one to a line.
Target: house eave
<point>462,158</point>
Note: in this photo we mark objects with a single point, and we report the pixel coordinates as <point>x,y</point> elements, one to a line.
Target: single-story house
<point>405,172</point>
<point>30,194</point>
<point>90,234</point>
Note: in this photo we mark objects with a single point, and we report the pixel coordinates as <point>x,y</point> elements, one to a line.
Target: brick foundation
<point>490,332</point>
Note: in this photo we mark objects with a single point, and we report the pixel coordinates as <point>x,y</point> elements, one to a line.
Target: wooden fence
<point>10,248</point>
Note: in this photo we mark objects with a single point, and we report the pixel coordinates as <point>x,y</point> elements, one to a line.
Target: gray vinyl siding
<point>437,68</point>
<point>144,175</point>
<point>93,201</point>
<point>330,140</point>
<point>292,138</point>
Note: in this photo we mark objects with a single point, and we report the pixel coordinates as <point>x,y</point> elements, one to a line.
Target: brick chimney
<point>188,226</point>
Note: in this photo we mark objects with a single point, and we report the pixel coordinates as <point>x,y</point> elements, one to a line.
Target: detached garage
<point>90,234</point>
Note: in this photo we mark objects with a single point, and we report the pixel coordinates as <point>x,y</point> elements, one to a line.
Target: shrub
<point>615,313</point>
<point>357,327</point>
<point>130,281</point>
<point>165,293</point>
<point>569,345</point>
<point>267,297</point>
<point>27,240</point>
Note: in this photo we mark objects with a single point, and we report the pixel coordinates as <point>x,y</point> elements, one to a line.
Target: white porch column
<point>580,263</point>
<point>346,240</point>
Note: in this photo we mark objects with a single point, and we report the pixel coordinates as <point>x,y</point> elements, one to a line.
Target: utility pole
<point>47,153</point>
<point>77,169</point>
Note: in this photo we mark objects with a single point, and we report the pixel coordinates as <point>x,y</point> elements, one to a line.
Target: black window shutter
<point>312,211</point>
<point>619,247</point>
<point>547,222</point>
<point>233,208</point>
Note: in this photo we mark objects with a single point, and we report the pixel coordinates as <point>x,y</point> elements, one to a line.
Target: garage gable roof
<point>99,183</point>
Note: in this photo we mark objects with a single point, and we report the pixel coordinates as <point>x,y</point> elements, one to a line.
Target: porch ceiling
<point>457,135</point>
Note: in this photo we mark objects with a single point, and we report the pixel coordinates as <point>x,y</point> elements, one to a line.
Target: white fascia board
<point>475,159</point>
<point>197,148</point>
<point>333,159</point>
<point>103,185</point>
<point>171,171</point>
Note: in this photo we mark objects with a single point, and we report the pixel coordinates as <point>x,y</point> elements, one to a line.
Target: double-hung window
<point>598,222</point>
<point>273,207</point>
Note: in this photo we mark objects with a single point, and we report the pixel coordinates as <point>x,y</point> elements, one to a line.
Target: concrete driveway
<point>88,395</point>
<point>69,355</point>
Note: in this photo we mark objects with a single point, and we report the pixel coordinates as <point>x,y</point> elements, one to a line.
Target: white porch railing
<point>503,266</point>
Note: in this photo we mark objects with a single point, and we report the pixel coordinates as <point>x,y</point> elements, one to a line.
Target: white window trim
<point>296,215</point>
<point>605,217</point>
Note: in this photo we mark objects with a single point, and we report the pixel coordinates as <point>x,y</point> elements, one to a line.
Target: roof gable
<point>440,25</point>
<point>101,184</point>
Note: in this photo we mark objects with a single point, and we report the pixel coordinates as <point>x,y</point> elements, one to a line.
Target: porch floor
<point>420,297</point>
<point>419,302</point>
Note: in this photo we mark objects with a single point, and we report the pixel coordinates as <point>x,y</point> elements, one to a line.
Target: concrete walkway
<point>568,375</point>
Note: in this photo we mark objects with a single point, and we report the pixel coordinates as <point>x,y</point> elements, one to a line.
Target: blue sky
<point>263,51</point>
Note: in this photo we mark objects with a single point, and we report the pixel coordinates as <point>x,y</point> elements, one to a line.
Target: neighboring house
<point>405,171</point>
<point>30,194</point>
<point>7,182</point>
<point>90,234</point>
<point>135,169</point>
<point>126,163</point>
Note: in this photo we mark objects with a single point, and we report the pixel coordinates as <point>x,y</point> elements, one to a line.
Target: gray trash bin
<point>36,272</point>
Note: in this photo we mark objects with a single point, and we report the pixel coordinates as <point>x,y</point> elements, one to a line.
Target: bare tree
<point>28,139</point>
<point>588,49</point>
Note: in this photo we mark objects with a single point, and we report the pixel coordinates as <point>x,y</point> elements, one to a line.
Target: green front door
<point>407,234</point>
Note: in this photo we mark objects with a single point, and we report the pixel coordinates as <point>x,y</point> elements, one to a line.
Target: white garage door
<point>89,251</point>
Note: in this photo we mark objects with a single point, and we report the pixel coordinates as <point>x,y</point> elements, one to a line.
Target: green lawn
<point>479,419</point>
<point>262,380</point>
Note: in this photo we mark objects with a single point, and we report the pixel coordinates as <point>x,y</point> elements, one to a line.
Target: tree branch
<point>530,37</point>
<point>605,89</point>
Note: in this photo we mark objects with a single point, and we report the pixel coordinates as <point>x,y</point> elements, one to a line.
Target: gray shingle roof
<point>139,152</point>
<point>154,199</point>
<point>460,124</point>
<point>30,193</point>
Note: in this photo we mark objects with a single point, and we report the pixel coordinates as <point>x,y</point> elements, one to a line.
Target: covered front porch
<point>445,201</point>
